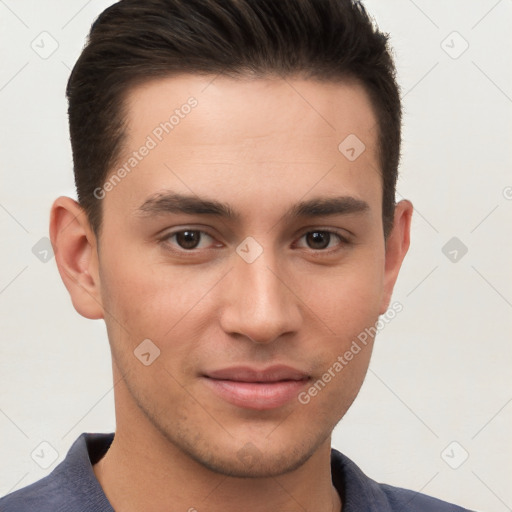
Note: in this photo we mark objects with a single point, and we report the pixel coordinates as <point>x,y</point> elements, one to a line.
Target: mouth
<point>259,389</point>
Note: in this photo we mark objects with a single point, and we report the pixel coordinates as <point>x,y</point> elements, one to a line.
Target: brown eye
<point>188,240</point>
<point>318,239</point>
<point>322,239</point>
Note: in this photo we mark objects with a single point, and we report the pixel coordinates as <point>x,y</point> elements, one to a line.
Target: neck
<point>143,470</point>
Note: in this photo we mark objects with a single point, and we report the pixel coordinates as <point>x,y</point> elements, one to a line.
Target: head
<point>235,165</point>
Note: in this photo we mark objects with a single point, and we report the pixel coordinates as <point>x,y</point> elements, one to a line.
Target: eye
<point>321,239</point>
<point>188,239</point>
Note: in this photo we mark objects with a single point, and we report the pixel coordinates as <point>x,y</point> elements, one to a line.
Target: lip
<point>259,389</point>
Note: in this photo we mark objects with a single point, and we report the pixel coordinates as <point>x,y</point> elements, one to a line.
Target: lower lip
<point>256,395</point>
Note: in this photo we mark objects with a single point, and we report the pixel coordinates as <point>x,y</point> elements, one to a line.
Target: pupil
<point>188,239</point>
<point>319,237</point>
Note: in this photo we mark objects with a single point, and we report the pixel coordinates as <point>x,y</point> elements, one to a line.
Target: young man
<point>235,163</point>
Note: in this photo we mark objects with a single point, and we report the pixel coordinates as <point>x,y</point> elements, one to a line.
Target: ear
<point>75,248</point>
<point>396,248</point>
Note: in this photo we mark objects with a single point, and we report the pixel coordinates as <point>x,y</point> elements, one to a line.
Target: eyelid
<point>167,235</point>
<point>343,232</point>
<point>344,240</point>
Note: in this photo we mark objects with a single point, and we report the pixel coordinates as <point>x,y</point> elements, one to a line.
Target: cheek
<point>346,304</point>
<point>157,301</point>
<point>346,299</point>
<point>167,305</point>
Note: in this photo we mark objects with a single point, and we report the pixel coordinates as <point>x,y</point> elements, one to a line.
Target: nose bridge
<point>258,304</point>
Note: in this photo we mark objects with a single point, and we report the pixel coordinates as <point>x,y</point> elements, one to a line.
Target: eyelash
<point>343,240</point>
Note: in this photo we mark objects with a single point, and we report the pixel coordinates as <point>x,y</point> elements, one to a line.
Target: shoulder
<point>362,493</point>
<point>411,501</point>
<point>70,487</point>
<point>43,496</point>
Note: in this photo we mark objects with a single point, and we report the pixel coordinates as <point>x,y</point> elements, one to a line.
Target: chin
<point>250,462</point>
<point>239,448</point>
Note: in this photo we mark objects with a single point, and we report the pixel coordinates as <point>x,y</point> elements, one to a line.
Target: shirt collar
<point>357,491</point>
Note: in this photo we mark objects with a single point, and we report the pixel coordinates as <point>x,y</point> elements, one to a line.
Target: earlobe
<point>75,248</point>
<point>396,248</point>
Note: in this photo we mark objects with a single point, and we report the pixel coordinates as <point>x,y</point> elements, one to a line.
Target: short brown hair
<point>136,40</point>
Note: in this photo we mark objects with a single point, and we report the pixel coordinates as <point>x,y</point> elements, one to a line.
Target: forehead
<point>245,138</point>
<point>245,108</point>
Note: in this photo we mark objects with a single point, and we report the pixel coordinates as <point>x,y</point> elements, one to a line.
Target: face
<point>248,248</point>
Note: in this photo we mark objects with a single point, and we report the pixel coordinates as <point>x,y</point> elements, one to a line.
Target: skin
<point>259,145</point>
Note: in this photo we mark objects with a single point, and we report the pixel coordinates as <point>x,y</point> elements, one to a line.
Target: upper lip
<point>247,374</point>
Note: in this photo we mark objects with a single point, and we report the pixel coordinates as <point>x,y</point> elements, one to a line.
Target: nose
<point>258,301</point>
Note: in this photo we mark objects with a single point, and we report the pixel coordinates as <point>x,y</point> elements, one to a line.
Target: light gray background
<point>441,369</point>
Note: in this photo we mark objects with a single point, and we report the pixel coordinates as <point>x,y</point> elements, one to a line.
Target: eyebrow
<point>170,202</point>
